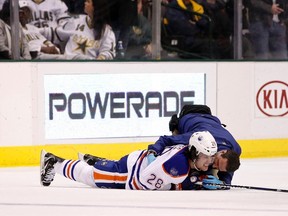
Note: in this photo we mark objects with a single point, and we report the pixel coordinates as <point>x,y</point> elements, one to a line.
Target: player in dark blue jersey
<point>195,118</point>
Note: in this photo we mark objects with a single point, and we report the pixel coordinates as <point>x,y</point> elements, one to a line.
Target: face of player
<point>220,163</point>
<point>89,8</point>
<point>203,161</point>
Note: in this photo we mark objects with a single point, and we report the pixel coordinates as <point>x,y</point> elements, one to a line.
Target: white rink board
<point>244,95</point>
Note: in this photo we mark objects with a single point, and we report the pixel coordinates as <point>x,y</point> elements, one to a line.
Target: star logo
<point>82,46</point>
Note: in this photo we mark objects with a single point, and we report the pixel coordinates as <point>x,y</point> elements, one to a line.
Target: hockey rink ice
<point>22,195</point>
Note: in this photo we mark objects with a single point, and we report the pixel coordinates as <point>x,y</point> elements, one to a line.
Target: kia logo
<point>272,98</point>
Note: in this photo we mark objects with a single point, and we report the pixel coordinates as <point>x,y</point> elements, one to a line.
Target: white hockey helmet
<point>204,143</point>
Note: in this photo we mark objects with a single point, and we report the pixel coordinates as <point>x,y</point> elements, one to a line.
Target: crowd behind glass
<point>190,29</point>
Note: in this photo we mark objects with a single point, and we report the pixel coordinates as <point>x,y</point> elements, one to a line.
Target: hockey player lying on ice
<point>193,118</point>
<point>133,172</point>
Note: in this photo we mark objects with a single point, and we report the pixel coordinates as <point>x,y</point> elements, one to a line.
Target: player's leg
<point>73,169</point>
<point>103,174</point>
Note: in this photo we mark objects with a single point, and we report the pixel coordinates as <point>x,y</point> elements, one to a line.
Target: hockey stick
<point>227,186</point>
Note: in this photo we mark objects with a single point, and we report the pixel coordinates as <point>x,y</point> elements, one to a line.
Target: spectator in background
<point>47,15</point>
<point>36,41</point>
<point>123,17</point>
<point>89,36</point>
<point>140,37</point>
<point>221,28</point>
<point>5,36</point>
<point>193,28</point>
<point>267,29</point>
<point>247,50</point>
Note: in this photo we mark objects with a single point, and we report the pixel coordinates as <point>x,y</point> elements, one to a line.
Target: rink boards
<point>113,108</point>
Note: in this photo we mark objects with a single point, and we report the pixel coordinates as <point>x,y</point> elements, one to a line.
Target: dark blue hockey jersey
<point>194,122</point>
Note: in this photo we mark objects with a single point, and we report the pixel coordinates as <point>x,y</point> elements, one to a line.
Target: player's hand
<point>212,180</point>
<point>151,156</point>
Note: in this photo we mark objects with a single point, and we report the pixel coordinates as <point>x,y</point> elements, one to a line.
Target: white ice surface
<point>22,195</point>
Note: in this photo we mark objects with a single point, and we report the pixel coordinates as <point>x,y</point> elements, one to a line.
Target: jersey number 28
<point>157,182</point>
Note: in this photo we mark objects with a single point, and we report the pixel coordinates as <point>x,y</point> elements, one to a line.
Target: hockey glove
<point>210,183</point>
<point>151,156</point>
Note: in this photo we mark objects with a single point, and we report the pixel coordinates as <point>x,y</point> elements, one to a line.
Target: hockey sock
<point>76,170</point>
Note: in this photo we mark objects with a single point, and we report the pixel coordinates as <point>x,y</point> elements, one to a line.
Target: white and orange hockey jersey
<point>171,167</point>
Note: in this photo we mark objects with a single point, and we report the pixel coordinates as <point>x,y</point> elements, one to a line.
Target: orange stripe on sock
<point>98,176</point>
<point>68,170</point>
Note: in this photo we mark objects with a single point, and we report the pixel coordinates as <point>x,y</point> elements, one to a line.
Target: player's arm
<point>165,141</point>
<point>63,32</point>
<point>226,177</point>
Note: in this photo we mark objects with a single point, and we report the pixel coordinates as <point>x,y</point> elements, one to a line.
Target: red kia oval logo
<point>272,98</point>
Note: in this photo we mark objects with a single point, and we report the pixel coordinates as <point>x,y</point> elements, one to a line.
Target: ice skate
<point>89,159</point>
<point>47,171</point>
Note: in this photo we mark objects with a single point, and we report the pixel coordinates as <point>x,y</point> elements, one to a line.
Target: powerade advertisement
<point>117,105</point>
